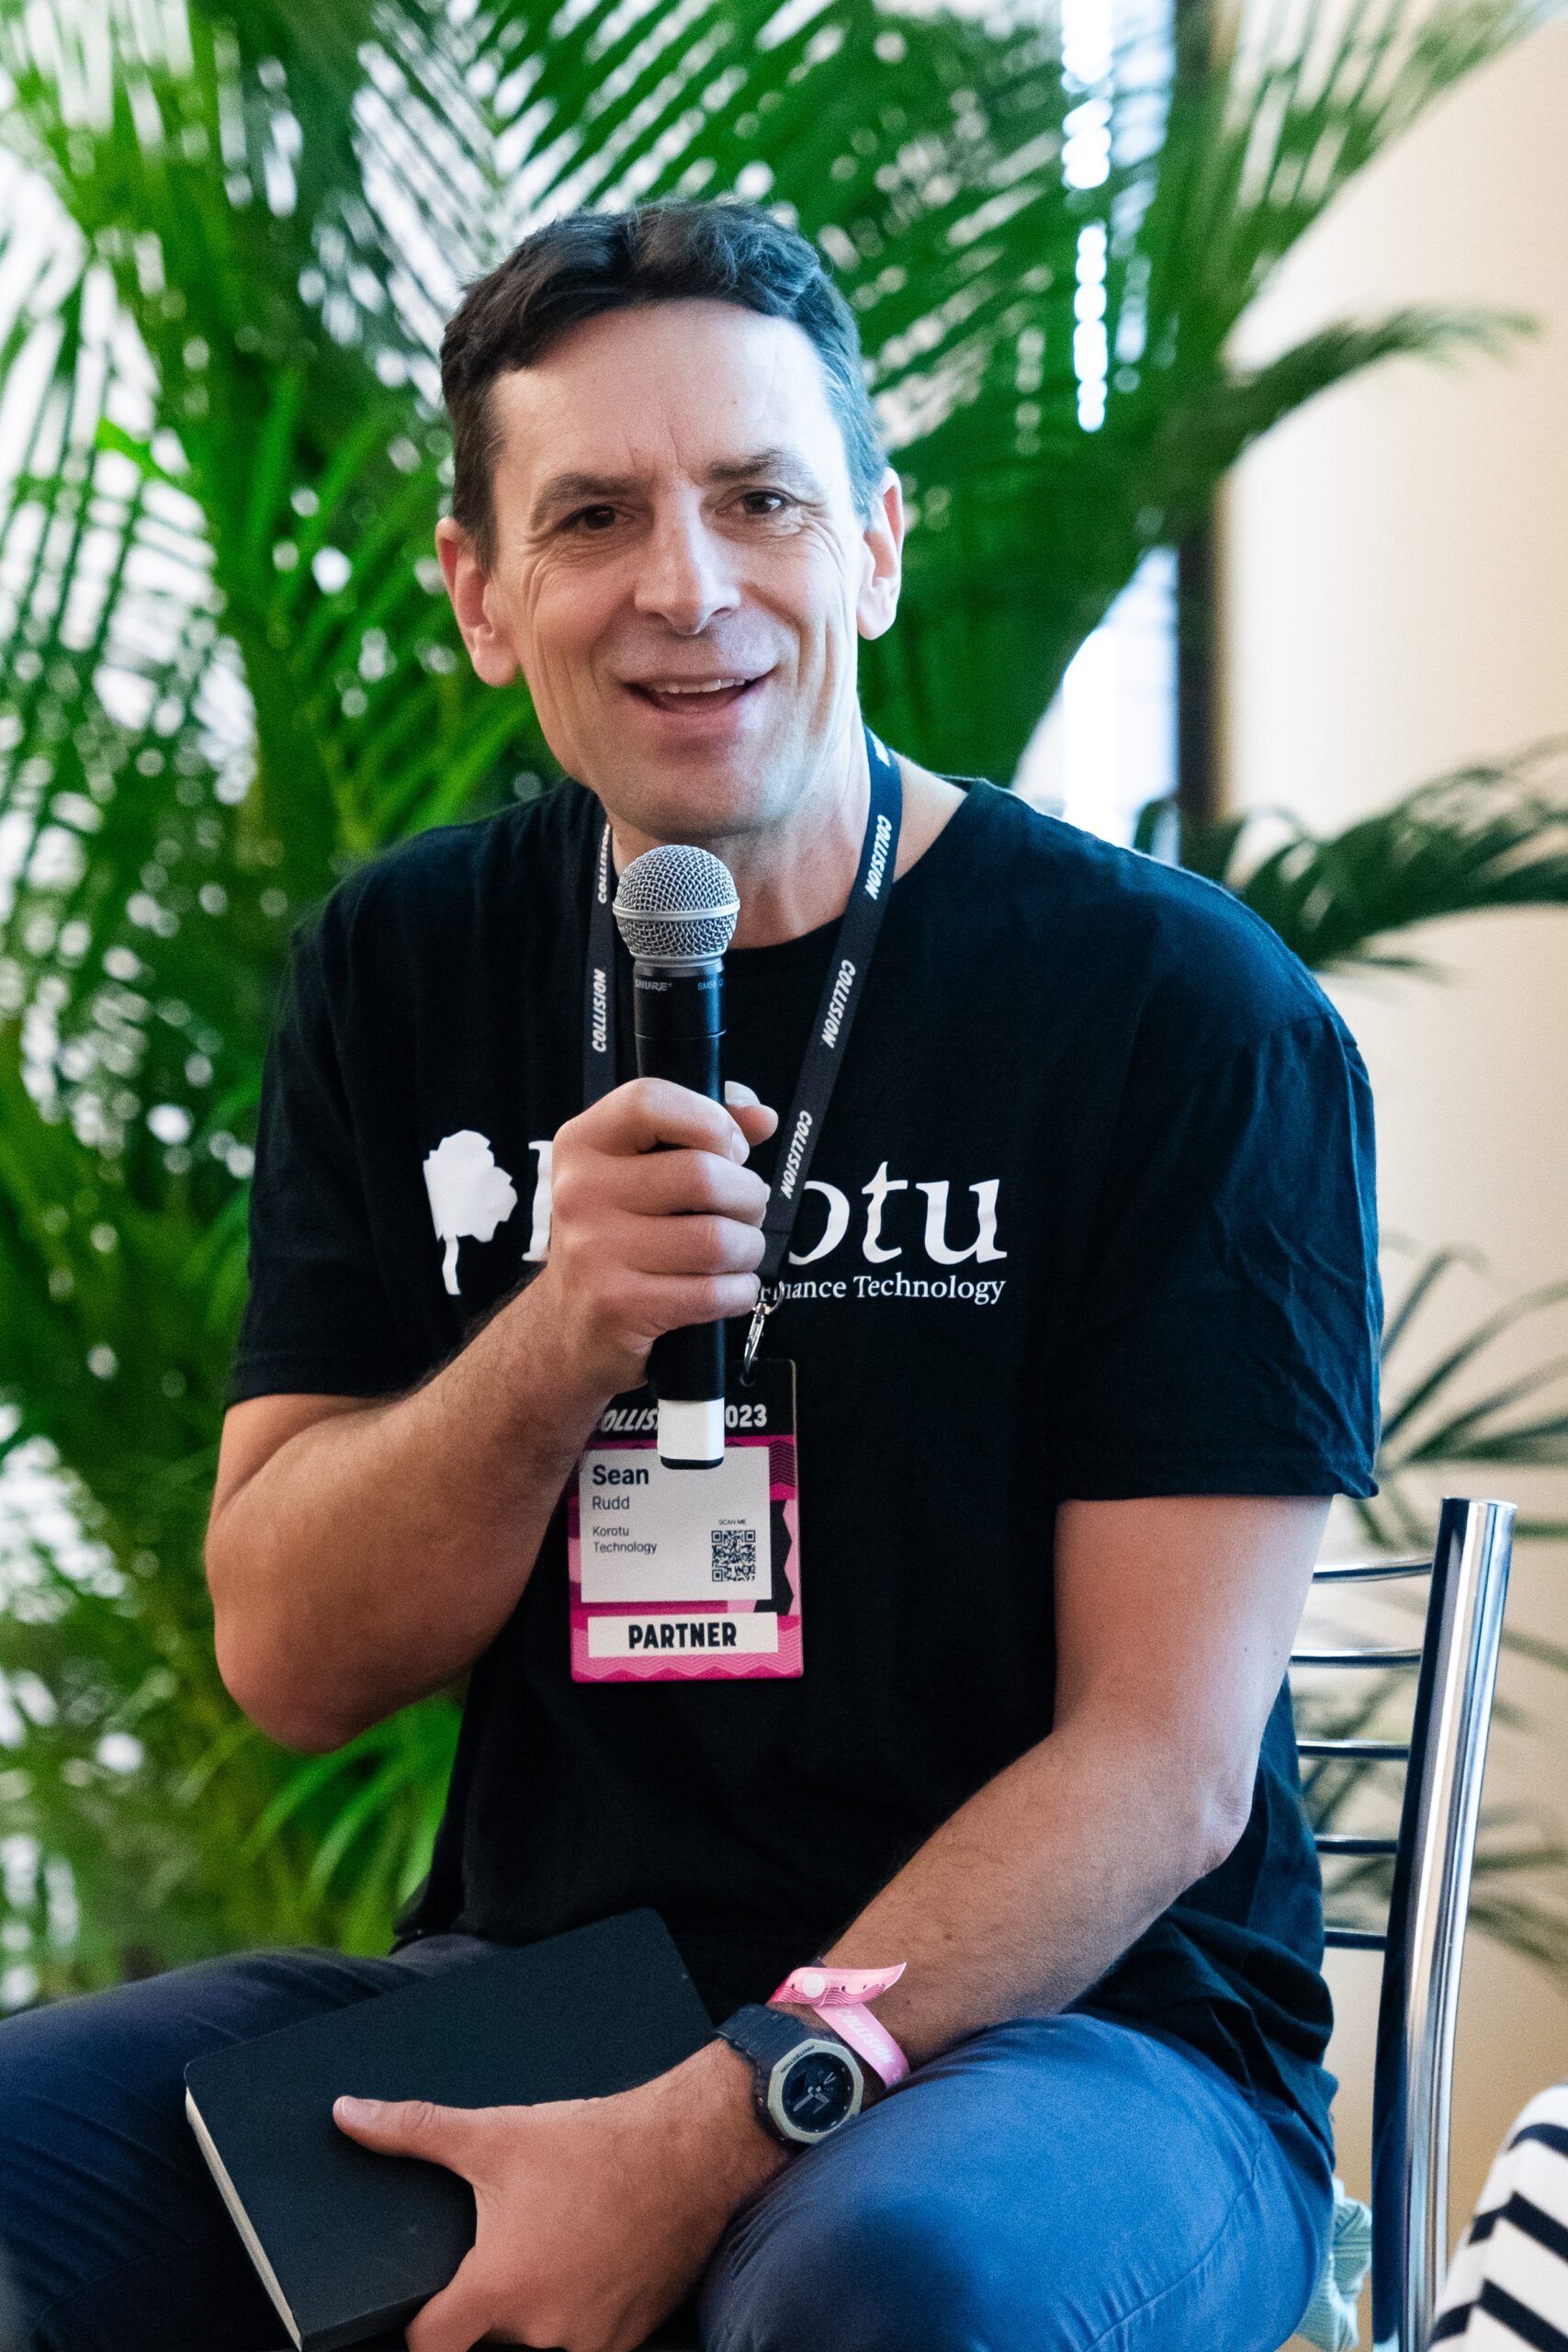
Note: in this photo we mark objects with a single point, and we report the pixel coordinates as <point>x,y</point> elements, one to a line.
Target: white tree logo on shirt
<point>470,1194</point>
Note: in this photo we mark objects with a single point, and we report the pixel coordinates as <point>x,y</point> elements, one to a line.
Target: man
<point>1085,1342</point>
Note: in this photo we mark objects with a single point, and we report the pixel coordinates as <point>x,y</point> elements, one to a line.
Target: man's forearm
<point>1029,1893</point>
<point>376,1554</point>
<point>1022,1900</point>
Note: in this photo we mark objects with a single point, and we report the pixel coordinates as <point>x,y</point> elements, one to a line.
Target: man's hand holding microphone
<point>655,1226</point>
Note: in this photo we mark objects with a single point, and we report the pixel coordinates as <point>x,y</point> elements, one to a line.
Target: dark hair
<point>586,262</point>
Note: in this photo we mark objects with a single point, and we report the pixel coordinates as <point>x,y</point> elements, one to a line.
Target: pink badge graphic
<point>688,1575</point>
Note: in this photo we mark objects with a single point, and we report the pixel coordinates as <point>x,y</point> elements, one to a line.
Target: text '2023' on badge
<point>688,1575</point>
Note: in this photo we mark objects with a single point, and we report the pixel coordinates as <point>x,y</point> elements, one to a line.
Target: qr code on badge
<point>734,1554</point>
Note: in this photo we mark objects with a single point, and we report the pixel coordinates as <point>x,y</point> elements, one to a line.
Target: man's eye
<point>583,518</point>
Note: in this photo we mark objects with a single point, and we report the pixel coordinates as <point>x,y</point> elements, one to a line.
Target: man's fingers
<point>670,1302</point>
<point>410,2127</point>
<point>696,1245</point>
<point>458,2317</point>
<point>756,1122</point>
<point>699,1183</point>
<point>752,1116</point>
<point>648,1112</point>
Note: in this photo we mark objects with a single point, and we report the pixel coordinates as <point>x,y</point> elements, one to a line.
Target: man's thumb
<point>411,2127</point>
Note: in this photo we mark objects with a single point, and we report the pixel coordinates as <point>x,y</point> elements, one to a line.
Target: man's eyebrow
<point>563,489</point>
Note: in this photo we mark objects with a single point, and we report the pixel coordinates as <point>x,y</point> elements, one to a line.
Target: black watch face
<point>818,2092</point>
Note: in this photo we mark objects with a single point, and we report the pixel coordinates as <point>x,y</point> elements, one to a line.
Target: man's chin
<point>695,817</point>
<point>689,799</point>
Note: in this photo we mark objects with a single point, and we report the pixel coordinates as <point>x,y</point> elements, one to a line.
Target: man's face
<point>672,504</point>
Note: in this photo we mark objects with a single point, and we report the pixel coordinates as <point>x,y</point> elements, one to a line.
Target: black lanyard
<point>842,991</point>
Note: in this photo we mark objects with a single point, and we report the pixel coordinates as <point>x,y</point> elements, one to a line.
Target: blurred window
<point>1108,742</point>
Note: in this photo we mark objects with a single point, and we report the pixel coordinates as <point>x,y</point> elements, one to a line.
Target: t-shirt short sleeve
<point>318,1319</point>
<point>1225,1340</point>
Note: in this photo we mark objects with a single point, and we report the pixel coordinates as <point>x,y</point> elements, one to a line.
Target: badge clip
<point>759,1315</point>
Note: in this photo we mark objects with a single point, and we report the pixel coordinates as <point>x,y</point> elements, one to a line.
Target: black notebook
<point>348,2243</point>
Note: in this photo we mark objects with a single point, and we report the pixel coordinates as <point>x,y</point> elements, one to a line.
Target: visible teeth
<point>711,686</point>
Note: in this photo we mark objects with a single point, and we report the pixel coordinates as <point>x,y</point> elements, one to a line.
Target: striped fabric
<point>1508,2287</point>
<point>1329,2320</point>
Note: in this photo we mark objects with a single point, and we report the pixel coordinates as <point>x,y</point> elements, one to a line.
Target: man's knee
<point>83,2135</point>
<point>101,2179</point>
<point>887,2269</point>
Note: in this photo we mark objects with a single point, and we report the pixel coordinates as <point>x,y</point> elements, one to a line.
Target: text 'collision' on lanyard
<point>841,990</point>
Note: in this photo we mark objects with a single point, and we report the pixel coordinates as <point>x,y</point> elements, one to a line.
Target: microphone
<point>675,909</point>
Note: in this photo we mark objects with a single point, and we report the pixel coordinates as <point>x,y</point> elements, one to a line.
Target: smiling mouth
<point>696,700</point>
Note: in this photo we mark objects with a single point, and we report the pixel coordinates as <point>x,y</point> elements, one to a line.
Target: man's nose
<point>687,574</point>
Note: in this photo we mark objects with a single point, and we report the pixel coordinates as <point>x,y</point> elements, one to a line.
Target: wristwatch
<point>804,2085</point>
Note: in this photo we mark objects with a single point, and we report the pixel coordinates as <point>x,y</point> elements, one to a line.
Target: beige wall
<point>1396,604</point>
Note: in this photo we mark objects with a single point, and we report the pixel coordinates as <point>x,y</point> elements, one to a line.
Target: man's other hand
<point>655,1224</point>
<point>595,2217</point>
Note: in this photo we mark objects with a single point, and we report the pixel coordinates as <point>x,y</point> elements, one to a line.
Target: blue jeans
<point>1052,2185</point>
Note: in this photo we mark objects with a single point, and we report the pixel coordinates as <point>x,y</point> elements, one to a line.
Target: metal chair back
<point>1456,1671</point>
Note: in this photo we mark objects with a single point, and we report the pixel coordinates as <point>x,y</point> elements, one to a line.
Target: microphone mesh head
<point>676,905</point>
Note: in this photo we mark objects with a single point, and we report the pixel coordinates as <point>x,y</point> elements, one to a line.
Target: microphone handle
<point>678,1018</point>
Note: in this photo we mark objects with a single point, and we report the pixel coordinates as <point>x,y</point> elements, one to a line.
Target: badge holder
<point>684,1575</point>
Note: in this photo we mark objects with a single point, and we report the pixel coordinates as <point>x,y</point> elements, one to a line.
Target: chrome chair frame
<point>1432,1854</point>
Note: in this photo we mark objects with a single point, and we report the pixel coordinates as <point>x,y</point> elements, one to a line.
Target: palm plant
<point>229,242</point>
<point>1486,837</point>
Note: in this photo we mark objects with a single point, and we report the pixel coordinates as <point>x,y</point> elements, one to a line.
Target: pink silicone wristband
<point>838,1996</point>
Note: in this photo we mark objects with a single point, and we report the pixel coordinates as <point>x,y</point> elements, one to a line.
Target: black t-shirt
<point>1090,1217</point>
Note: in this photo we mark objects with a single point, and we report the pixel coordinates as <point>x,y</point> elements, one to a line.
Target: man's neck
<point>797,876</point>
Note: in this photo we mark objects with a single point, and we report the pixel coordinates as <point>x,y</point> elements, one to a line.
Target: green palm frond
<point>132,1766</point>
<point>1487,836</point>
<point>380,1800</point>
<point>1448,1406</point>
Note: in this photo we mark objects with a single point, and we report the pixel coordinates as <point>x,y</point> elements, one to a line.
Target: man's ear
<point>472,590</point>
<point>883,571</point>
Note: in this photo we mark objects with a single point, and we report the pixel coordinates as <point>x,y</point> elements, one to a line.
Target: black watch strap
<point>766,2035</point>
